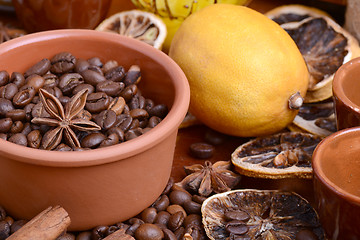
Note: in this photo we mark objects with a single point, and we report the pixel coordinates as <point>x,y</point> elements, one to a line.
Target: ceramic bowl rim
<point>338,90</point>
<point>319,173</point>
<point>121,151</point>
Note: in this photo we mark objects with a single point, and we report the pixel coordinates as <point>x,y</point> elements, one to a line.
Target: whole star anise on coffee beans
<point>208,178</point>
<point>63,119</point>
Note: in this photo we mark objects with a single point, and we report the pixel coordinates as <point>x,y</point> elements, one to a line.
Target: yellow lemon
<point>173,12</point>
<point>246,74</point>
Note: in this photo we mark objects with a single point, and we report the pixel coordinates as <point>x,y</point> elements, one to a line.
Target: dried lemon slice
<point>324,44</point>
<point>283,155</point>
<point>315,118</point>
<point>260,214</point>
<point>141,25</point>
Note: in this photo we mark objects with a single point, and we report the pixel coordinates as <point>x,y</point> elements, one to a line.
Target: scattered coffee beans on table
<point>72,104</point>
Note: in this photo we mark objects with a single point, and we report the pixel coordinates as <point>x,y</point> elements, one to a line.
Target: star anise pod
<point>63,119</point>
<point>208,178</point>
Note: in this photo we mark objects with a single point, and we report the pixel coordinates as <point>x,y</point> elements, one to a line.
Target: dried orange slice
<point>141,25</point>
<point>282,155</point>
<point>324,44</point>
<point>260,214</point>
<point>315,118</point>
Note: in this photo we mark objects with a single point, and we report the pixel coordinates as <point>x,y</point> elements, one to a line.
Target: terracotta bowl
<point>336,183</point>
<point>106,185</point>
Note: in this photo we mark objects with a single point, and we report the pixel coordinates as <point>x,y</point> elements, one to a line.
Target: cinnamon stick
<point>48,224</point>
<point>119,235</point>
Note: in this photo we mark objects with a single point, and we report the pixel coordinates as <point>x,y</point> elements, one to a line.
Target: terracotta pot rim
<point>339,77</point>
<point>319,173</point>
<point>120,151</point>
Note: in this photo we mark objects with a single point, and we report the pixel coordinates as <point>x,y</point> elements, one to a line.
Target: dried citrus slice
<point>141,25</point>
<point>324,44</point>
<point>260,214</point>
<point>315,118</point>
<point>282,155</point>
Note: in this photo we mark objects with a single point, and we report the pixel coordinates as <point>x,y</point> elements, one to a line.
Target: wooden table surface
<point>193,134</point>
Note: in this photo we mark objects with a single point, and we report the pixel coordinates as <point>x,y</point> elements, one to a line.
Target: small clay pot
<point>346,88</point>
<point>57,14</point>
<point>105,185</point>
<point>336,167</point>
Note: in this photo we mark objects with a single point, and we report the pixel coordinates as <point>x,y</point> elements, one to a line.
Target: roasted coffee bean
<point>126,109</point>
<point>198,198</point>
<point>236,215</point>
<point>36,99</point>
<point>83,86</point>
<point>8,91</point>
<point>35,81</point>
<point>131,230</point>
<point>236,227</point>
<point>176,220</point>
<point>66,236</point>
<point>92,140</point>
<point>148,104</point>
<point>153,121</point>
<point>5,125</point>
<point>169,235</point>
<point>110,140</point>
<point>179,197</point>
<point>193,220</point>
<point>174,208</point>
<point>161,203</point>
<point>133,76</point>
<point>18,138</point>
<point>62,62</point>
<point>133,133</point>
<point>117,105</point>
<point>4,230</point>
<point>115,74</point>
<point>3,136</point>
<point>106,119</point>
<point>122,225</point>
<point>62,147</point>
<point>135,124</point>
<point>24,96</point>
<point>129,92</point>
<point>4,78</point>
<point>5,106</point>
<point>109,65</point>
<point>27,128</point>
<point>215,138</point>
<point>123,121</point>
<point>16,114</point>
<point>28,109</point>
<point>179,233</point>
<point>95,61</point>
<point>34,139</point>
<point>97,102</point>
<point>148,231</point>
<point>111,230</point>
<point>99,232</point>
<point>39,68</point>
<point>192,207</point>
<point>64,100</point>
<point>18,79</point>
<point>96,69</point>
<point>69,81</point>
<point>148,215</point>
<point>17,127</point>
<point>159,110</point>
<point>17,225</point>
<point>38,110</point>
<point>110,88</point>
<point>2,213</point>
<point>162,218</point>
<point>51,80</point>
<point>116,130</point>
<point>139,114</point>
<point>306,234</point>
<point>137,102</point>
<point>168,186</point>
<point>201,150</point>
<point>92,77</point>
<point>86,235</point>
<point>54,91</point>
<point>81,65</point>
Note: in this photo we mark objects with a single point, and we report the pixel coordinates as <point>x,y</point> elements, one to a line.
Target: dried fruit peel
<point>272,213</point>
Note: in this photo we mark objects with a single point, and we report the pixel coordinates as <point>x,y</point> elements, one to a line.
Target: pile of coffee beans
<point>114,101</point>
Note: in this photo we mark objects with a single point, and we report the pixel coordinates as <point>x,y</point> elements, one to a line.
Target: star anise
<point>208,178</point>
<point>63,119</point>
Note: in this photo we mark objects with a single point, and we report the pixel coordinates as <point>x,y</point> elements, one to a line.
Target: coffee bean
<point>83,86</point>
<point>161,203</point>
<point>193,220</point>
<point>92,77</point>
<point>92,140</point>
<point>34,139</point>
<point>162,218</point>
<point>110,140</point>
<point>18,79</point>
<point>214,137</point>
<point>69,81</point>
<point>5,106</point>
<point>116,130</point>
<point>236,215</point>
<point>133,133</point>
<point>117,105</point>
<point>149,231</point>
<point>62,147</point>
<point>3,136</point>
<point>51,80</point>
<point>99,232</point>
<point>4,78</point>
<point>169,235</point>
<point>236,227</point>
<point>179,233</point>
<point>179,197</point>
<point>110,88</point>
<point>139,113</point>
<point>306,234</point>
<point>96,69</point>
<point>17,127</point>
<point>62,62</point>
<point>123,121</point>
<point>66,236</point>
<point>148,215</point>
<point>176,220</point>
<point>153,121</point>
<point>115,74</point>
<point>86,235</point>
<point>129,92</point>
<point>39,68</point>
<point>5,125</point>
<point>18,138</point>
<point>17,225</point>
<point>135,124</point>
<point>16,114</point>
<point>24,96</point>
<point>8,91</point>
<point>201,150</point>
<point>174,208</point>
<point>192,207</point>
<point>133,76</point>
<point>4,230</point>
<point>109,65</point>
<point>35,81</point>
<point>95,61</point>
<point>97,102</point>
<point>159,110</point>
